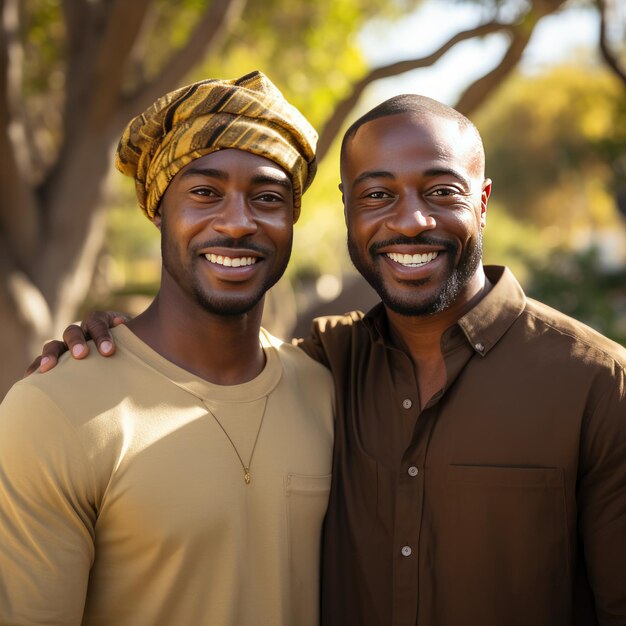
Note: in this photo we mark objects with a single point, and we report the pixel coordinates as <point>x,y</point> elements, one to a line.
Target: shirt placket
<point>409,502</point>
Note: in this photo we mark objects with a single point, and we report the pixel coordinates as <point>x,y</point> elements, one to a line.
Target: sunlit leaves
<point>553,143</point>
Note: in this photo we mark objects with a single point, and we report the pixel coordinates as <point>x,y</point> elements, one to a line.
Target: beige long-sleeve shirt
<point>123,502</point>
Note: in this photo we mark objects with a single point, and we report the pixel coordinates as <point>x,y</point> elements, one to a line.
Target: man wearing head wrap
<point>184,482</point>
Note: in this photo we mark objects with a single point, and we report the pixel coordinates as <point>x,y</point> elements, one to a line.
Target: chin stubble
<point>455,282</point>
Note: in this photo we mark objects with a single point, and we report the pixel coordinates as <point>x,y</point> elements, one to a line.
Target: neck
<point>420,336</point>
<point>221,349</point>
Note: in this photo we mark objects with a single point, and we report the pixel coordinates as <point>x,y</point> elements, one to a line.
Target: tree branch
<point>124,22</point>
<point>209,33</point>
<point>333,125</point>
<point>479,91</point>
<point>76,14</point>
<point>83,24</point>
<point>521,33</point>
<point>605,48</point>
<point>82,38</point>
<point>100,37</point>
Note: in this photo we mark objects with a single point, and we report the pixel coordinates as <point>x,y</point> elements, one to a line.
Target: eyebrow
<point>372,174</point>
<point>259,179</point>
<point>431,173</point>
<point>204,171</point>
<point>440,171</point>
<point>263,179</point>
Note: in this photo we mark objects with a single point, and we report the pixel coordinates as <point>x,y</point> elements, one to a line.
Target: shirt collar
<point>483,325</point>
<point>489,320</point>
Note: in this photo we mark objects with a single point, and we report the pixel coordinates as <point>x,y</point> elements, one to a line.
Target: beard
<point>455,281</point>
<point>183,267</point>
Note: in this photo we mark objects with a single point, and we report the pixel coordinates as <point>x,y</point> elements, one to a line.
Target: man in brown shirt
<point>479,474</point>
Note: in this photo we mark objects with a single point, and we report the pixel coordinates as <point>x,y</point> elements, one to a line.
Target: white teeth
<point>412,260</point>
<point>227,261</point>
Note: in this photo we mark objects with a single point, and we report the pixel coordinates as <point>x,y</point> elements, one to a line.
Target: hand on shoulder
<point>95,326</point>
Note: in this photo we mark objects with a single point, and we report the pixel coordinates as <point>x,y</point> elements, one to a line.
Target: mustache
<point>422,239</point>
<point>232,244</point>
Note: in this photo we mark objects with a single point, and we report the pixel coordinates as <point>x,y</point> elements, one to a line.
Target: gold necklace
<point>246,468</point>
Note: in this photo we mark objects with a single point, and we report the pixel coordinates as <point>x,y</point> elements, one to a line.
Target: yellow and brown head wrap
<point>247,113</point>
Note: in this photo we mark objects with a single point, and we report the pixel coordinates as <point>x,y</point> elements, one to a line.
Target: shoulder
<point>338,325</point>
<point>81,382</point>
<point>576,340</point>
<point>331,337</point>
<point>75,391</point>
<point>304,378</point>
<point>293,359</point>
<point>39,440</point>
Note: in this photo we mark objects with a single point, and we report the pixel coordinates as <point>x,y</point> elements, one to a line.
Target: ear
<point>156,220</point>
<point>343,202</point>
<point>484,198</point>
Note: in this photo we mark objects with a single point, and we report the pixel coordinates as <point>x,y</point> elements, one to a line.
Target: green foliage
<point>308,48</point>
<point>506,241</point>
<point>579,285</point>
<point>320,234</point>
<point>43,34</point>
<point>43,78</point>
<point>167,29</point>
<point>553,144</point>
<point>555,151</point>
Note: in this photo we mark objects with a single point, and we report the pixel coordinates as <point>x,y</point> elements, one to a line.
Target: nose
<point>235,218</point>
<point>409,218</point>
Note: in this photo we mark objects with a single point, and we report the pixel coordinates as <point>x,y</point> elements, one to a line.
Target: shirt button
<point>479,347</point>
<point>406,551</point>
<point>413,471</point>
<point>406,403</point>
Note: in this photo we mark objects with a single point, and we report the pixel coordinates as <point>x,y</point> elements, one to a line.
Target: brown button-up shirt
<point>502,502</point>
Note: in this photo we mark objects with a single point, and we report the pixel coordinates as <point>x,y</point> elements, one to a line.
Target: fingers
<point>96,326</point>
<point>76,342</point>
<point>117,318</point>
<point>33,367</point>
<point>48,359</point>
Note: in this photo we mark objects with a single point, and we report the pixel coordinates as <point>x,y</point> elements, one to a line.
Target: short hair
<point>414,104</point>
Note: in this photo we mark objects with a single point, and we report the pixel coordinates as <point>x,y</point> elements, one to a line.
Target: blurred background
<point>544,81</point>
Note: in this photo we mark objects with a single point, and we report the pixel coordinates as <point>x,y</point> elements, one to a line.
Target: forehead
<point>408,142</point>
<point>232,162</point>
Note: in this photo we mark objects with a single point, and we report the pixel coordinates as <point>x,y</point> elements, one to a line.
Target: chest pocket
<point>505,529</point>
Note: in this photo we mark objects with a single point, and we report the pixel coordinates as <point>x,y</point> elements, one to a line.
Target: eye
<point>443,192</point>
<point>378,195</point>
<point>446,195</point>
<point>269,197</point>
<point>205,192</point>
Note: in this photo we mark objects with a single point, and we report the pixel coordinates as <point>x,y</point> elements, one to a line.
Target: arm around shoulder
<point>329,337</point>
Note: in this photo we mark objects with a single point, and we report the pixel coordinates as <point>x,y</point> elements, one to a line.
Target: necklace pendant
<point>246,475</point>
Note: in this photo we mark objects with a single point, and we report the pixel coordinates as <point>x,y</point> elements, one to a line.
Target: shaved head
<point>420,107</point>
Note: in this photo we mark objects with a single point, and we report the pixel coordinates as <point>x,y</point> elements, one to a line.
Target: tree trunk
<point>37,307</point>
<point>24,320</point>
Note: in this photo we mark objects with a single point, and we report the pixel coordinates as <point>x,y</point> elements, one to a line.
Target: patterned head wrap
<point>247,113</point>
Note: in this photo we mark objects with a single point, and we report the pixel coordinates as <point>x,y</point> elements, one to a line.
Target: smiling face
<point>415,201</point>
<point>226,223</point>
